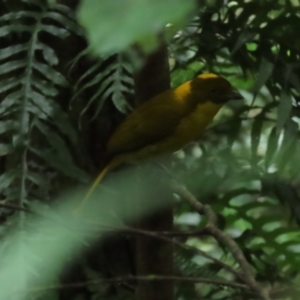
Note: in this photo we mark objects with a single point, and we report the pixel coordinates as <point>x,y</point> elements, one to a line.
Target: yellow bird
<point>167,122</point>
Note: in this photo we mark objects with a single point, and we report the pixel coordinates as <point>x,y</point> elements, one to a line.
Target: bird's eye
<point>213,90</point>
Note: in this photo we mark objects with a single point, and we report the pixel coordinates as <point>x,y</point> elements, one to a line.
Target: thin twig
<point>15,207</point>
<point>154,234</point>
<point>140,278</point>
<point>186,233</point>
<point>218,234</point>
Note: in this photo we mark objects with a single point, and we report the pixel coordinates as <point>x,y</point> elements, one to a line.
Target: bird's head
<point>214,88</point>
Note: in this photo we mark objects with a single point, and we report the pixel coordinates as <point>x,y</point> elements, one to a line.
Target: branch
<point>157,235</point>
<point>186,233</point>
<point>140,278</point>
<point>219,235</point>
<point>15,207</point>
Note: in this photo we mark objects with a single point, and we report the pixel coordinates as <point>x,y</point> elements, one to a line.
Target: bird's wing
<point>151,122</point>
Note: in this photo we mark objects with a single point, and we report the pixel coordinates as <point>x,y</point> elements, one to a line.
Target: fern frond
<point>109,79</point>
<point>29,82</point>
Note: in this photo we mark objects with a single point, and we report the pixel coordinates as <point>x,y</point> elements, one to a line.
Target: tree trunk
<point>154,257</point>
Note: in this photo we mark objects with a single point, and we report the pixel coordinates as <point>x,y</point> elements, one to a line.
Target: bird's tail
<point>114,163</point>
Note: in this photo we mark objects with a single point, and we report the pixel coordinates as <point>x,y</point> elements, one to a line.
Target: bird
<point>167,122</point>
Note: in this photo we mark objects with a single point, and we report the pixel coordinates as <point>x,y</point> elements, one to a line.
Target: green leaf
<point>118,97</point>
<point>120,102</point>
<point>265,71</point>
<point>10,83</point>
<point>19,15</point>
<point>55,31</point>
<point>287,148</point>
<point>65,22</point>
<point>55,141</point>
<point>58,163</point>
<point>6,126</point>
<point>114,25</point>
<point>118,88</point>
<point>284,110</point>
<point>180,76</point>
<point>8,177</point>
<point>96,79</point>
<point>45,87</point>
<point>38,3</point>
<point>12,66</point>
<point>50,73</point>
<point>48,54</point>
<point>245,37</point>
<point>82,54</point>
<point>255,136</point>
<point>8,29</point>
<point>5,149</point>
<point>286,194</point>
<point>37,112</point>
<point>271,146</point>
<point>234,130</point>
<point>9,101</point>
<point>57,115</point>
<point>64,9</point>
<point>294,80</point>
<point>38,179</point>
<point>12,50</point>
<point>97,95</point>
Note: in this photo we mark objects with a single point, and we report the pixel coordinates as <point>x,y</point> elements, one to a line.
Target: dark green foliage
<point>111,78</point>
<point>246,166</point>
<point>36,135</point>
<point>30,83</point>
<point>262,164</point>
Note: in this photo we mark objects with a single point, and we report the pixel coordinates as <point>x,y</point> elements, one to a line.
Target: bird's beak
<point>235,95</point>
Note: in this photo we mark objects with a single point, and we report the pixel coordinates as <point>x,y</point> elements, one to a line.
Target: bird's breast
<point>191,126</point>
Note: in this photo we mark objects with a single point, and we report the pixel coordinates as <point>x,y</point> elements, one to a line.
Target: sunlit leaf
<point>141,21</point>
